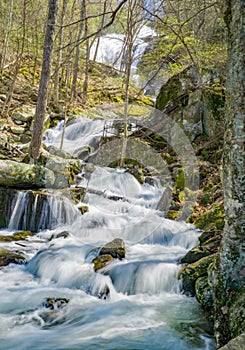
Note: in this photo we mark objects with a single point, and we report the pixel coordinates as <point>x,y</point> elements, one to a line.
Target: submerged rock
<point>9,257</point>
<point>63,234</point>
<point>55,303</point>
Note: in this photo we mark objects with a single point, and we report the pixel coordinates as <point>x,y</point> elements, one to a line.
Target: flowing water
<point>144,308</point>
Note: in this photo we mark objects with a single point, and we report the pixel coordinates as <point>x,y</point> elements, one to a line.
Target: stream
<point>136,303</point>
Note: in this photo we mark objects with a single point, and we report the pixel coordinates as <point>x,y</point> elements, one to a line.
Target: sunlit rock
<point>8,257</point>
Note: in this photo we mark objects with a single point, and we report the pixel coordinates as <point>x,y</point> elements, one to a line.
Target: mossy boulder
<point>115,248</point>
<point>101,261</point>
<point>110,251</point>
<point>195,254</point>
<point>9,257</point>
<point>237,343</point>
<point>214,217</point>
<point>169,91</point>
<point>20,175</point>
<point>189,274</point>
<point>237,314</point>
<point>64,169</point>
<point>204,295</point>
<point>16,236</point>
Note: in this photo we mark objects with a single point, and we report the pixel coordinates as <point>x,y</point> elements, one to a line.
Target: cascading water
<point>112,49</point>
<point>136,303</point>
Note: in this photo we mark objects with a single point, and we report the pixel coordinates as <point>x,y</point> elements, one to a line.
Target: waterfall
<point>37,211</point>
<point>58,301</point>
<point>111,49</point>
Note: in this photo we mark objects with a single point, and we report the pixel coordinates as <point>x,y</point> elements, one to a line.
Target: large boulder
<point>197,110</point>
<point>190,273</point>
<point>236,344</point>
<point>195,254</point>
<point>20,175</point>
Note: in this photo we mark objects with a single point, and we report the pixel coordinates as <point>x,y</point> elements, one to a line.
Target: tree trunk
<point>230,274</point>
<point>59,54</point>
<point>100,33</point>
<point>77,55</point>
<point>36,140</point>
<point>86,72</point>
<point>6,37</point>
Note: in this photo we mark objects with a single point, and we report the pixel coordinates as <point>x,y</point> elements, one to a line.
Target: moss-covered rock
<point>235,344</point>
<point>214,217</point>
<point>115,248</point>
<point>9,257</point>
<point>20,175</point>
<point>101,261</point>
<point>204,295</point>
<point>16,236</point>
<point>195,254</point>
<point>189,274</point>
<point>237,314</point>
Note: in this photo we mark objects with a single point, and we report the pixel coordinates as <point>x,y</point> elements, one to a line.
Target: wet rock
<point>63,234</point>
<point>17,236</point>
<point>55,303</point>
<point>235,344</point>
<point>115,248</point>
<point>75,194</point>
<point>20,175</point>
<point>104,293</point>
<point>83,209</point>
<point>195,254</point>
<point>9,257</point>
<point>101,261</point>
<point>189,274</point>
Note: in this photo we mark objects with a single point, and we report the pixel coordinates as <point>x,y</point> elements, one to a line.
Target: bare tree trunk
<point>230,282</point>
<point>130,37</point>
<point>77,55</point>
<point>59,55</point>
<point>18,60</point>
<point>87,51</point>
<point>6,37</point>
<point>100,33</point>
<point>36,140</point>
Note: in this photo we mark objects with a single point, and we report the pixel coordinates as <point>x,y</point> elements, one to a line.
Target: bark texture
<point>36,140</point>
<point>230,274</point>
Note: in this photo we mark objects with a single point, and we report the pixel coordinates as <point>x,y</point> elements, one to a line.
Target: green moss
<point>189,274</point>
<point>180,180</point>
<point>212,217</point>
<point>169,91</point>
<point>204,294</point>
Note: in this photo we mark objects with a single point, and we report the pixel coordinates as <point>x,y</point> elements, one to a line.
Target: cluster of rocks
<point>198,263</point>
